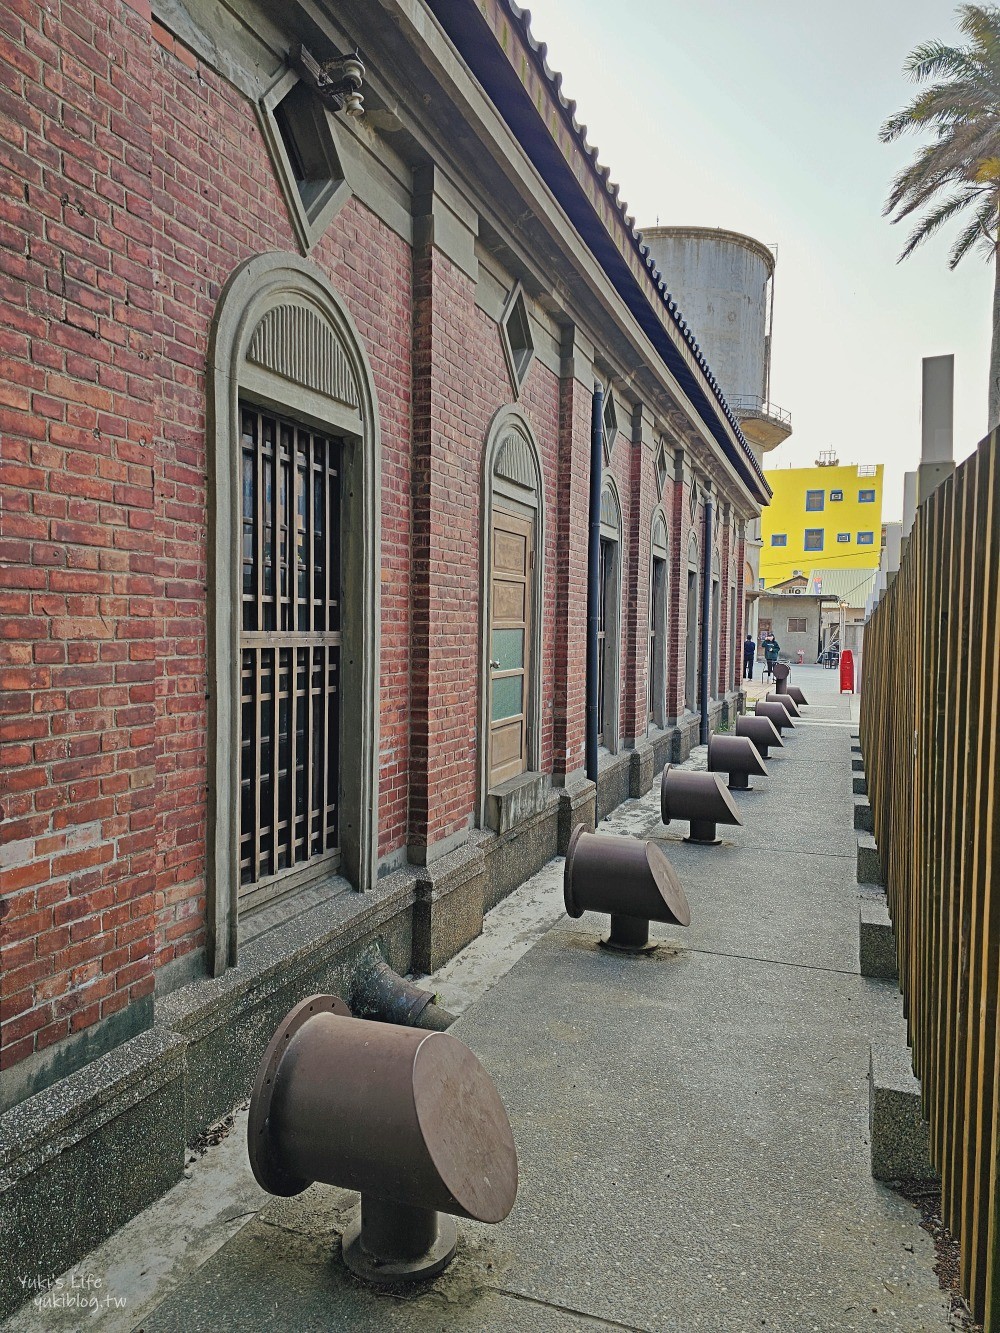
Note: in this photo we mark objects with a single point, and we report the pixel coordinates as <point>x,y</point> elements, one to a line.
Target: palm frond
<point>957,171</point>
<point>978,231</point>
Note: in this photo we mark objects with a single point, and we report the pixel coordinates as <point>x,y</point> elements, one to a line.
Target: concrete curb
<point>900,1142</point>
<point>869,866</point>
<point>876,941</point>
<point>864,820</point>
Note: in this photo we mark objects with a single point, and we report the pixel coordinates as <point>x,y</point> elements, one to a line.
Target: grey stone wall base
<point>855,747</point>
<point>43,1068</point>
<point>857,764</point>
<point>641,770</point>
<point>516,800</point>
<point>448,912</point>
<point>686,735</point>
<point>876,941</point>
<point>613,781</point>
<point>228,1021</point>
<point>577,805</point>
<point>663,743</point>
<point>859,784</point>
<point>864,820</point>
<point>869,865</point>
<point>81,1158</point>
<point>516,855</point>
<point>900,1143</point>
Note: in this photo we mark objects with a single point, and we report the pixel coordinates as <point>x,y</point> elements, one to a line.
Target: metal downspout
<point>706,619</point>
<point>594,575</point>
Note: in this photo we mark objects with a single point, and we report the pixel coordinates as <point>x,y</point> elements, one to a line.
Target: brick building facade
<point>296,416</point>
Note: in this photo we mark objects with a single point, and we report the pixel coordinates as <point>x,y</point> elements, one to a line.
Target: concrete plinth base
<point>864,819</point>
<point>869,866</point>
<point>859,785</point>
<point>876,941</point>
<point>899,1137</point>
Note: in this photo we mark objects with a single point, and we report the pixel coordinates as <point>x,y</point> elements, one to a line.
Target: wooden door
<point>512,558</point>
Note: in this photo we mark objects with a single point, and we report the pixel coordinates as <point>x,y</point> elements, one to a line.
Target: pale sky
<point>762,116</point>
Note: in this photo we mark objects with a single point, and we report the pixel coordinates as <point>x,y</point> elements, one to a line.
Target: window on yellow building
<point>779,539</point>
<point>866,497</point>
<point>843,536</point>
<point>866,539</point>
<point>813,539</point>
<point>814,500</point>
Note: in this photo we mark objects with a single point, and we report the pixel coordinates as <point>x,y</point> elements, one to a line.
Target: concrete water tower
<point>723,283</point>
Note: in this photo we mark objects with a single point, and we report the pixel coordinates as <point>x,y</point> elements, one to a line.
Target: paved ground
<point>691,1125</point>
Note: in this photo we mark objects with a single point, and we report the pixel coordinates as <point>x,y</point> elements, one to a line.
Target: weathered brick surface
<point>77,417</point>
<point>135,181</point>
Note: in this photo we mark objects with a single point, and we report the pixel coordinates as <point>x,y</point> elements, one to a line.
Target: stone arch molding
<point>283,337</point>
<point>512,473</point>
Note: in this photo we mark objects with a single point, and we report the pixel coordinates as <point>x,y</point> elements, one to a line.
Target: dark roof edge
<point>469,30</point>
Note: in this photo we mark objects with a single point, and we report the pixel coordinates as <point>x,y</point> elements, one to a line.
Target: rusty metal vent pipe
<point>796,694</point>
<point>777,713</point>
<point>762,731</point>
<point>376,991</point>
<point>408,1118</point>
<point>781,672</point>
<point>700,798</point>
<point>737,756</point>
<point>790,705</point>
<point>632,880</point>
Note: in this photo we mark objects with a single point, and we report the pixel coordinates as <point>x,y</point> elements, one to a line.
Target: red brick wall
<point>117,234</point>
<point>455,401</point>
<point>569,576</point>
<point>77,683</point>
<point>135,182</point>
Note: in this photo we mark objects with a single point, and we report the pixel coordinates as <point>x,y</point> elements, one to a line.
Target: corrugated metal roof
<point>850,585</point>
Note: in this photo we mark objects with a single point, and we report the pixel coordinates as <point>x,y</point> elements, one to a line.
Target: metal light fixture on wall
<point>338,81</point>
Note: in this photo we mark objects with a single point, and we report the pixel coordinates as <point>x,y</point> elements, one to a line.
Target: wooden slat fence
<point>930,721</point>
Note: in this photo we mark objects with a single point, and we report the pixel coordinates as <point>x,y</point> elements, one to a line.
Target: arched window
<point>658,598</point>
<point>294,552</point>
<point>609,622</point>
<point>513,546</point>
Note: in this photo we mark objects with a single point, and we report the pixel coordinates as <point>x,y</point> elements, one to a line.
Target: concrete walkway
<point>691,1125</point>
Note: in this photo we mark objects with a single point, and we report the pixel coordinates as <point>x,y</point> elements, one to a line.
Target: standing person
<point>771,648</point>
<point>749,651</point>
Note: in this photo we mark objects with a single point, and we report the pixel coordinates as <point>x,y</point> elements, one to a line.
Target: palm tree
<point>958,172</point>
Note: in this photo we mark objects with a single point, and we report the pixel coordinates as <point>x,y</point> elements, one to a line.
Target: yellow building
<point>824,515</point>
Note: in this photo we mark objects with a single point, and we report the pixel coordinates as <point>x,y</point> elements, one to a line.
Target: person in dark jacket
<point>771,648</point>
<point>749,652</point>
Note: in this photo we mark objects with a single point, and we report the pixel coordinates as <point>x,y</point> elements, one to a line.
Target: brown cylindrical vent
<point>778,714</point>
<point>623,876</point>
<point>796,694</point>
<point>761,731</point>
<point>737,756</point>
<point>790,705</point>
<point>780,671</point>
<point>406,1117</point>
<point>700,798</point>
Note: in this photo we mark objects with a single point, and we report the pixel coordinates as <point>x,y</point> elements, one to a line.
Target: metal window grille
<point>796,624</point>
<point>289,652</point>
